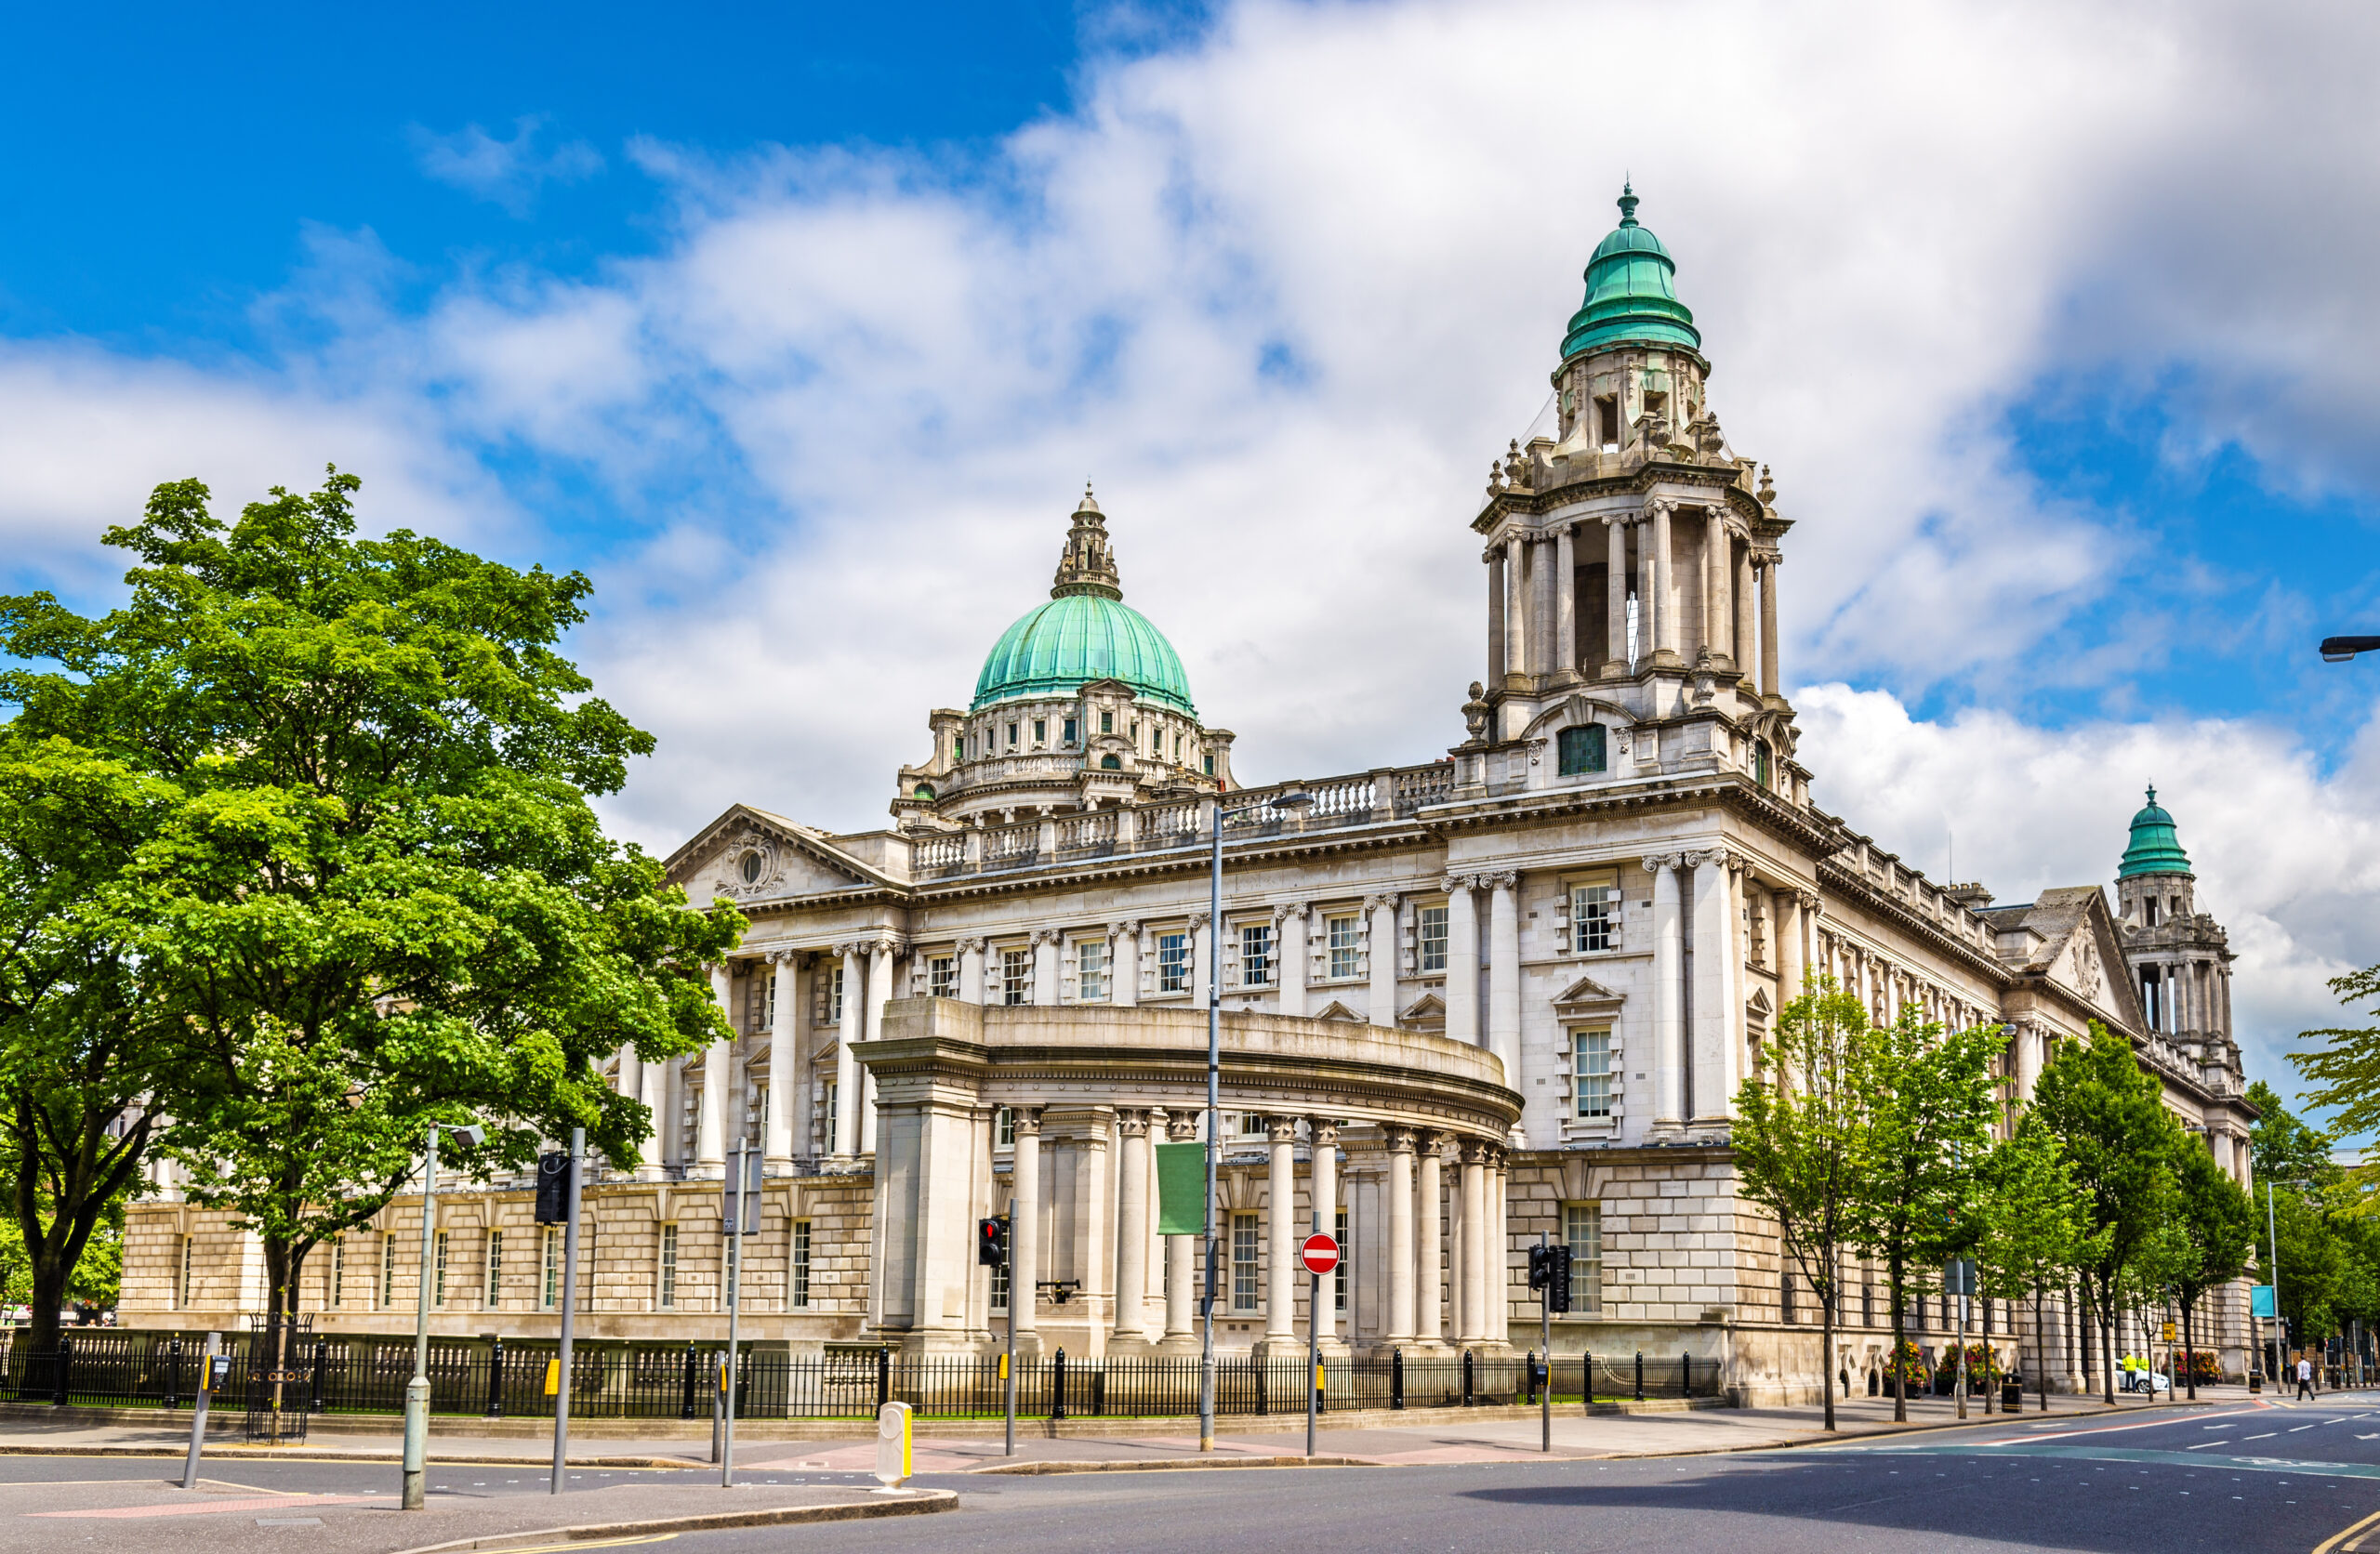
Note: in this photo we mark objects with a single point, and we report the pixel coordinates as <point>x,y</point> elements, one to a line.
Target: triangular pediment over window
<point>1589,996</point>
<point>1425,1013</point>
<point>1336,1010</point>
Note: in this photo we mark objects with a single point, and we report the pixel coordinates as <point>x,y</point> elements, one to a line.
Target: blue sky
<point>799,328</point>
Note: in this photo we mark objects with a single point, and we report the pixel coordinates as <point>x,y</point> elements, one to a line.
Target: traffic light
<point>1540,1266</point>
<point>991,1242</point>
<point>553,1187</point>
<point>1557,1282</point>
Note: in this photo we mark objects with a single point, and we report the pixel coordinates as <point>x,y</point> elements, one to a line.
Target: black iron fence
<point>333,1376</point>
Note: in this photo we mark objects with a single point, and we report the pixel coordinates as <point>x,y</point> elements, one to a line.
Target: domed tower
<point>1632,370</point>
<point>1082,703</point>
<point>2180,959</point>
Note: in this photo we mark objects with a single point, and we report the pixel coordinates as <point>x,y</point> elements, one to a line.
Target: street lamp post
<point>2338,649</point>
<point>1296,800</point>
<point>418,1389</point>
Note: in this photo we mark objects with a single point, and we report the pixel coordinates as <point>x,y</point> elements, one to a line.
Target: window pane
<point>1595,917</point>
<point>1434,939</point>
<point>1091,967</point>
<point>1582,1230</point>
<point>1344,961</point>
<point>1017,975</point>
<point>800,1263</point>
<point>1592,1056</point>
<point>1172,962</point>
<point>1244,1270</point>
<point>942,977</point>
<point>1255,954</point>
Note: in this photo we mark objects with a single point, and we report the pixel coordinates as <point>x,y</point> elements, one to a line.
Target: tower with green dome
<point>2180,957</point>
<point>1081,703</point>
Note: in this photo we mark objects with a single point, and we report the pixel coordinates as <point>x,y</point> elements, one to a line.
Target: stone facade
<point>1599,900</point>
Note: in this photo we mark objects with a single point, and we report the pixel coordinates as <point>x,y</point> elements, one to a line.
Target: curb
<point>1161,1465</point>
<point>925,1503</point>
<point>301,1454</point>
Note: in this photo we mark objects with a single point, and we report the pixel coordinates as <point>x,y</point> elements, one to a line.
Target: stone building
<point>1505,993</point>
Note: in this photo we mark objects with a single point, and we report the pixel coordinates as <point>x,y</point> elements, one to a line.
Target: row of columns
<point>2194,994</point>
<point>1533,605</point>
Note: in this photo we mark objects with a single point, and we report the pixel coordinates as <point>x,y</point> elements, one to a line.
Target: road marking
<point>2293,1430</point>
<point>594,1543</point>
<point>2266,1436</point>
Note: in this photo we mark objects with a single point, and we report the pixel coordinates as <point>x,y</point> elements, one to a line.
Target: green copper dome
<point>2155,849</point>
<point>1085,633</point>
<point>1630,295</point>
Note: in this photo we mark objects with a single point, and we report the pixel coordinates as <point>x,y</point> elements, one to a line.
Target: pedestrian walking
<point>2304,1377</point>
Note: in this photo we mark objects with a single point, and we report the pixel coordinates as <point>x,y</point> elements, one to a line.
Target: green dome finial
<point>2155,849</point>
<point>1632,295</point>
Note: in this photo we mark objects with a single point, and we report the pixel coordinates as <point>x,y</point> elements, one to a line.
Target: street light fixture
<point>2338,649</point>
<point>1297,801</point>
<point>471,1135</point>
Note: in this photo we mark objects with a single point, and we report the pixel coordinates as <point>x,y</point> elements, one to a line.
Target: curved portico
<point>1091,1089</point>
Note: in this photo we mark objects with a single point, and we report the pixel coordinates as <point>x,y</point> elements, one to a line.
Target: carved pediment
<point>1425,1013</point>
<point>747,854</point>
<point>1337,1011</point>
<point>1588,994</point>
<point>1758,1004</point>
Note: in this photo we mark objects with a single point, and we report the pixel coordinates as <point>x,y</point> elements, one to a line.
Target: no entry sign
<point>1320,1254</point>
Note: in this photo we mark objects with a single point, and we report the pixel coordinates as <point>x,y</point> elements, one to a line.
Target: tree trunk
<point>87,1183</point>
<point>2190,1351</point>
<point>2041,1354</point>
<point>1900,1342</point>
<point>1826,1348</point>
<point>285,1264</point>
<point>2107,1335</point>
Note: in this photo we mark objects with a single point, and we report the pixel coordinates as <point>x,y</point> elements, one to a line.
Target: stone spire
<point>1085,567</point>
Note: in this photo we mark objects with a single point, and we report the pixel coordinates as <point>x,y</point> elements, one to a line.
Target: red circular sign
<point>1320,1254</point>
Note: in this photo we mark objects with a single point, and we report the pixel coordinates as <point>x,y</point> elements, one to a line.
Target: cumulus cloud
<point>1282,289</point>
<point>507,173</point>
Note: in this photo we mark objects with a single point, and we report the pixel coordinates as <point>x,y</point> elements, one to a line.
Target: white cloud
<point>504,172</point>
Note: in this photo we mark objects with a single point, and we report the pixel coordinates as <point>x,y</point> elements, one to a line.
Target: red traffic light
<point>991,1242</point>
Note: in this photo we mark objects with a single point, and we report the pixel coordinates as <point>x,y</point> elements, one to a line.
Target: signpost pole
<point>736,1208</point>
<point>206,1364</point>
<point>2273,1239</point>
<point>1313,1340</point>
<point>569,1304</point>
<point>1008,1362</point>
<point>1545,1347</point>
<point>416,1437</point>
<point>1959,1272</point>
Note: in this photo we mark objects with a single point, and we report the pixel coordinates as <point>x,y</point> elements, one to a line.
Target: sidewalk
<point>1422,1435</point>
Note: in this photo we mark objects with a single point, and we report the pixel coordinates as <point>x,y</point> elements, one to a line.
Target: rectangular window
<point>798,1269</point>
<point>1339,1274</point>
<point>388,1271</point>
<point>1016,976</point>
<point>1106,722</point>
<point>1004,1128</point>
<point>495,1268</point>
<point>181,1285</point>
<point>833,1094</point>
<point>1430,939</point>
<point>1091,971</point>
<point>1579,751</point>
<point>835,995</point>
<point>550,1284</point>
<point>1784,1290</point>
<point>338,1273</point>
<point>1245,1273</point>
<point>1071,735</point>
<point>1255,954</point>
<point>438,1280</point>
<point>1595,917</point>
<point>1591,1071</point>
<point>1345,954</point>
<point>1000,1288</point>
<point>1177,749</point>
<point>1582,1232</point>
<point>1607,423</point>
<point>1211,766</point>
<point>668,1292</point>
<point>942,977</point>
<point>1012,736</point>
<point>1040,731</point>
<point>1174,963</point>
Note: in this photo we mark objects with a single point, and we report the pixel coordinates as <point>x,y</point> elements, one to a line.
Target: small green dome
<point>1085,633</point>
<point>1631,294</point>
<point>2155,849</point>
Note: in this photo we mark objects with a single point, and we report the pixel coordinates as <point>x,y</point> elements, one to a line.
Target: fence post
<point>1466,1378</point>
<point>686,1408</point>
<point>174,1372</point>
<point>884,1377</point>
<point>321,1362</point>
<point>1395,1378</point>
<point>1587,1381</point>
<point>1640,1375</point>
<point>1685,1374</point>
<point>65,1368</point>
<point>496,1381</point>
<point>1058,1387</point>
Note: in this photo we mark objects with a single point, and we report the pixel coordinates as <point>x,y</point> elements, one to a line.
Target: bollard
<point>314,1387</point>
<point>1684,1370</point>
<point>496,1381</point>
<point>1640,1375</point>
<point>1397,1379</point>
<point>884,1377</point>
<point>1058,1387</point>
<point>1587,1382</point>
<point>174,1372</point>
<point>64,1368</point>
<point>1466,1373</point>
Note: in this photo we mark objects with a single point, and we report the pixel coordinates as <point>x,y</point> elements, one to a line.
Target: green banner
<point>1182,1189</point>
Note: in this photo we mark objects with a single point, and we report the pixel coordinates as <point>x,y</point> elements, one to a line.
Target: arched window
<point>925,791</point>
<point>1109,763</point>
<point>1582,749</point>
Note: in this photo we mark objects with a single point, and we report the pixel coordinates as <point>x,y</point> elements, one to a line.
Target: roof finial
<point>2152,793</point>
<point>1627,203</point>
<point>1090,503</point>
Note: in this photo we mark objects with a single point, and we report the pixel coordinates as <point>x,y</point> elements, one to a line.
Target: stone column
<point>1718,609</point>
<point>784,1043</point>
<point>879,993</point>
<point>1499,1275</point>
<point>1124,964</point>
<point>1462,960</point>
<point>1181,1251</point>
<point>1281,1225</point>
<point>1744,610</point>
<point>1322,1191</point>
<point>710,1131</point>
<point>1474,1270</point>
<point>1047,975</point>
<point>2028,1060</point>
<point>1566,599</point>
<point>1785,911</point>
<point>1648,583</point>
<point>653,1088</point>
<point>1025,1223</point>
<point>1520,636</point>
<point>1401,1236</point>
<point>1504,974</point>
<point>1288,955</point>
<point>1769,625</point>
<point>1664,587</point>
<point>848,1033</point>
<point>1615,596</point>
<point>1384,955</point>
<point>1428,1265</point>
<point>971,971</point>
<point>1495,658</point>
<point>1669,1042</point>
<point>1132,1231</point>
<point>626,1084</point>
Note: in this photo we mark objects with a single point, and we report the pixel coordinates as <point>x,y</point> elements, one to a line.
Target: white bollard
<point>892,1445</point>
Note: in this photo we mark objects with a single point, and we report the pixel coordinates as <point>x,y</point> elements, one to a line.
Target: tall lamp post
<point>2338,649</point>
<point>418,1390</point>
<point>1296,800</point>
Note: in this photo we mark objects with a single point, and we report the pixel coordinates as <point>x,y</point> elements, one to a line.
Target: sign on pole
<point>1320,1254</point>
<point>2260,1301</point>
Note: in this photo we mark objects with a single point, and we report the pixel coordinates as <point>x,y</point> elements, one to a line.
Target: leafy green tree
<point>1801,1126</point>
<point>2034,1230</point>
<point>2214,1223</point>
<point>375,896</point>
<point>2346,1068</point>
<point>1931,1111</point>
<point>2118,1141</point>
